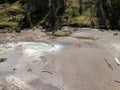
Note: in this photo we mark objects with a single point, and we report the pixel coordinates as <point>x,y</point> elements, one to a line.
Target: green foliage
<point>56,13</point>
<point>27,20</point>
<point>10,14</point>
<point>72,11</point>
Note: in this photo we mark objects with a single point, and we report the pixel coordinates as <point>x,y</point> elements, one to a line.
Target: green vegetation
<point>10,15</point>
<point>53,14</point>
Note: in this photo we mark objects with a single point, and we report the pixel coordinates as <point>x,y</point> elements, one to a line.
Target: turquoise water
<point>39,46</point>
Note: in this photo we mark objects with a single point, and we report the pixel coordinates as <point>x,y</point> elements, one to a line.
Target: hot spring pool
<point>39,46</point>
<point>43,47</point>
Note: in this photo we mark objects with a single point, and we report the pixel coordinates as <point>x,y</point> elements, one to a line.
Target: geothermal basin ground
<point>32,60</point>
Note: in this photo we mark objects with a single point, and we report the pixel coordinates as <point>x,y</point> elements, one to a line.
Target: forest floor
<point>81,64</point>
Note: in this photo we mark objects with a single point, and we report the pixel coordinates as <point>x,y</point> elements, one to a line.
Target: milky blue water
<point>39,46</point>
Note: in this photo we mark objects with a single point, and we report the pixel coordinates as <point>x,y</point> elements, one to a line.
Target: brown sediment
<point>83,37</point>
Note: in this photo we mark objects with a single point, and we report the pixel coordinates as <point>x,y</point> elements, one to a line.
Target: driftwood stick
<point>117,81</point>
<point>48,72</point>
<point>108,64</point>
<point>117,61</point>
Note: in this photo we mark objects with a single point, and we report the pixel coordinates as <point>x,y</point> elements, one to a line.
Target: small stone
<point>29,69</point>
<point>14,69</point>
<point>115,34</point>
<point>3,59</point>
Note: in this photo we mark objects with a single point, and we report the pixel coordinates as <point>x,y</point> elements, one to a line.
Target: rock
<point>3,59</point>
<point>34,28</point>
<point>40,27</point>
<point>14,69</point>
<point>29,69</point>
<point>115,34</point>
<point>68,30</point>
